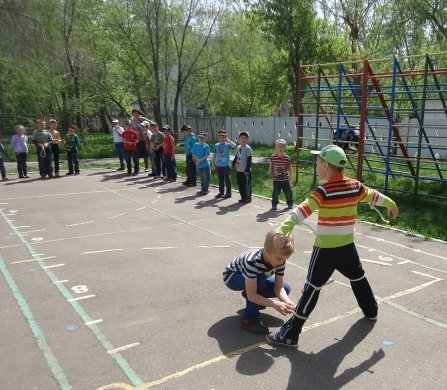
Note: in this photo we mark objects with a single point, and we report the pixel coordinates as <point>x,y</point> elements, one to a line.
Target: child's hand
<point>394,212</point>
<point>279,241</point>
<point>283,307</point>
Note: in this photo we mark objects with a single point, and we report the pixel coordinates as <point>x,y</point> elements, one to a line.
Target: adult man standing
<point>137,120</point>
<point>190,141</point>
<point>117,131</point>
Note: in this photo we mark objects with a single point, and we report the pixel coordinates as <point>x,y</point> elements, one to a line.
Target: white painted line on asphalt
<point>403,246</point>
<point>53,266</point>
<point>37,254</point>
<point>377,262</point>
<point>119,349</point>
<point>30,260</point>
<point>213,246</point>
<point>101,251</point>
<point>404,262</point>
<point>79,223</point>
<point>116,216</point>
<point>61,281</point>
<point>24,226</point>
<point>427,275</point>
<point>34,231</point>
<point>160,247</point>
<point>142,208</point>
<point>94,322</point>
<point>79,298</point>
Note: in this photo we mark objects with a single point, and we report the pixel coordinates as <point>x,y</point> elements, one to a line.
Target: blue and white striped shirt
<point>251,264</point>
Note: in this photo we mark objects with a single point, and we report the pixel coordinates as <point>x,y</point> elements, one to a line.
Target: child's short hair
<point>39,121</point>
<point>280,141</point>
<point>289,244</point>
<point>52,120</point>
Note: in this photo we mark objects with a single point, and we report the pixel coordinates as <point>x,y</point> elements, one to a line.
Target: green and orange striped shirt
<point>336,202</point>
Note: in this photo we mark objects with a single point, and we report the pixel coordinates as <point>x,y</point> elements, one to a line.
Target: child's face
<point>71,130</point>
<point>280,148</point>
<point>322,169</point>
<point>41,126</point>
<point>52,125</point>
<point>201,140</point>
<point>274,259</point>
<point>222,138</point>
<point>243,140</point>
<point>19,131</point>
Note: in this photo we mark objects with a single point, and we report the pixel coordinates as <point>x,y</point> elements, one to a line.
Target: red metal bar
<point>360,146</point>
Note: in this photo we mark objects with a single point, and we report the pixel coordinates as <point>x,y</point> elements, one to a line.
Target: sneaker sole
<point>270,341</point>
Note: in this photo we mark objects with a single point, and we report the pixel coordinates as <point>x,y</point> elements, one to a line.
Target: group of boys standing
<point>141,138</point>
<point>197,154</point>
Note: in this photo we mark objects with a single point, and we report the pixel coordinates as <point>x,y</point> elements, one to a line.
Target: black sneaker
<point>275,338</point>
<point>274,208</point>
<point>253,326</point>
<point>226,196</point>
<point>191,184</point>
<point>121,169</point>
<point>219,195</point>
<point>69,173</point>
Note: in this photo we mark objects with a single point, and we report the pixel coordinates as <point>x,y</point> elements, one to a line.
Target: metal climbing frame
<point>397,107</point>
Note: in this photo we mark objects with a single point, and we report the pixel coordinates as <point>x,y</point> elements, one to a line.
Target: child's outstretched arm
<point>376,198</point>
<point>298,215</point>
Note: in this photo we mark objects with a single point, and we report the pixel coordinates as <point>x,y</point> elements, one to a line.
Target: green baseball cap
<point>332,154</point>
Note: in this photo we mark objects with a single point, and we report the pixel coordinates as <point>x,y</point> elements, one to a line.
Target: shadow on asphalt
<point>269,214</point>
<point>315,370</point>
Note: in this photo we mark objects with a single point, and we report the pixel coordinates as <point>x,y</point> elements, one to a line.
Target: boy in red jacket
<point>130,139</point>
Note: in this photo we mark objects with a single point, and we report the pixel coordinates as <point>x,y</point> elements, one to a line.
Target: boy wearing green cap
<point>336,199</point>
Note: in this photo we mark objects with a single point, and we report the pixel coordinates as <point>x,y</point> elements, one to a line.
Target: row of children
<point>197,157</point>
<point>145,140</point>
<point>47,142</point>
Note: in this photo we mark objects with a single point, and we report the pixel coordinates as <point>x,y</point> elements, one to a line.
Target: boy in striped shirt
<point>259,274</point>
<point>280,169</point>
<point>336,199</point>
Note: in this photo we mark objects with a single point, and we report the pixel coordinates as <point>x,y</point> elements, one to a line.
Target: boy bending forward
<point>259,273</point>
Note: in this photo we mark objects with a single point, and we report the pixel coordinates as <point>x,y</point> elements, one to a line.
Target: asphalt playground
<point>110,282</point>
